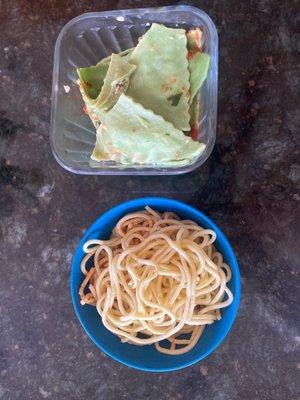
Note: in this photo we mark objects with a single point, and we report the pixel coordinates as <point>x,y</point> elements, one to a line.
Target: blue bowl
<point>147,358</point>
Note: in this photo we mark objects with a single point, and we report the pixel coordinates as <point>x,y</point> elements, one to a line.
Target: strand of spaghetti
<point>192,342</point>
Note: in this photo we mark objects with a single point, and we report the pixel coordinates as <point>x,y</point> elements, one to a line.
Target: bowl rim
<point>186,208</point>
<point>132,171</point>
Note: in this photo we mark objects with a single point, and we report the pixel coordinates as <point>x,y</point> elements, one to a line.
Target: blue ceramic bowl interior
<point>147,358</point>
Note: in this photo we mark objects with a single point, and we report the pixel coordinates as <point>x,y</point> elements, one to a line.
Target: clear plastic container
<point>90,37</point>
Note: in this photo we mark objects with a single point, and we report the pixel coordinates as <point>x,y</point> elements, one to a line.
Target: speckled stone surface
<point>250,187</point>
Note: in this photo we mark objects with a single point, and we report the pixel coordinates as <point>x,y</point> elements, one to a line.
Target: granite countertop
<point>249,186</point>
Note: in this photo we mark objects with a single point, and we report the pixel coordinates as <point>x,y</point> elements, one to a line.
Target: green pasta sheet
<point>125,54</point>
<point>115,83</point>
<point>131,134</point>
<point>161,81</point>
<point>195,111</point>
<point>199,66</point>
<point>92,77</point>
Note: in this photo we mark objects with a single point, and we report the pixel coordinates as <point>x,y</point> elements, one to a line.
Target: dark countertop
<point>250,187</point>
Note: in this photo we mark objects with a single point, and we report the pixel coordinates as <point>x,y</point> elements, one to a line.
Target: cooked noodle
<point>157,277</point>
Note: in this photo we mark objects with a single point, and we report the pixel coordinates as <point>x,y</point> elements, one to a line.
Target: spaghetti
<point>156,278</point>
